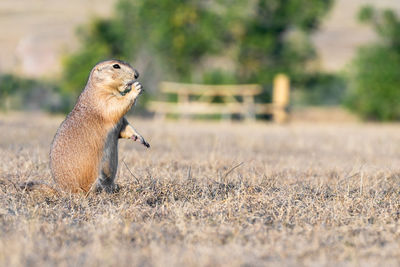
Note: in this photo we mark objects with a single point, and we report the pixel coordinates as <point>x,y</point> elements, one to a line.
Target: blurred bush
<point>28,94</point>
<point>219,77</point>
<point>321,89</point>
<point>374,91</point>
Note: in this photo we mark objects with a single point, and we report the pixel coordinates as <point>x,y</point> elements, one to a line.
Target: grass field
<point>209,194</point>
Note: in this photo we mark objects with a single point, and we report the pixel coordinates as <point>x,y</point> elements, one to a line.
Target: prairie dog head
<point>112,89</point>
<point>116,78</point>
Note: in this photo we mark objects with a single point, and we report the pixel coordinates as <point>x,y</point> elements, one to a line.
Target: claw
<point>146,144</point>
<point>142,141</point>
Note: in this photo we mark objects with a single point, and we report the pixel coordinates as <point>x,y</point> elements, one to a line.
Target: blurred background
<point>341,55</point>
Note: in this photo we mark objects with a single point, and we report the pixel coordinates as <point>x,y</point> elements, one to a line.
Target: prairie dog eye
<point>116,66</point>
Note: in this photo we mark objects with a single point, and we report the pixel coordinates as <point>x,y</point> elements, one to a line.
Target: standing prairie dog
<point>84,152</point>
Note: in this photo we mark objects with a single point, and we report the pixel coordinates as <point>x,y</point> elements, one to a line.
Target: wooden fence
<point>196,99</point>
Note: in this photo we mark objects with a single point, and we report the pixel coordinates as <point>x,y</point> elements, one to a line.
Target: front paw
<point>141,140</point>
<point>138,86</point>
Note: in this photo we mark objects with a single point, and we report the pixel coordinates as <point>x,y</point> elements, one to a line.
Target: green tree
<point>276,38</point>
<point>375,71</point>
<point>385,23</point>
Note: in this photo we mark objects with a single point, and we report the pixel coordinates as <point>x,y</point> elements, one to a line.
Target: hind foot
<point>109,188</point>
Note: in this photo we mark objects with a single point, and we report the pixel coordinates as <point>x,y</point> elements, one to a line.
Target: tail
<point>40,187</point>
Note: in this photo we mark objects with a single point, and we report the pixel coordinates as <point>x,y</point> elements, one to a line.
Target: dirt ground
<point>210,193</point>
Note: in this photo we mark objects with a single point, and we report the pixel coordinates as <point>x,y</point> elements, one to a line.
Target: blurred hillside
<point>341,33</point>
<point>35,33</point>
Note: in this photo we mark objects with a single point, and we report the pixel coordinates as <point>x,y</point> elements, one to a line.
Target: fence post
<point>183,98</point>
<point>280,98</point>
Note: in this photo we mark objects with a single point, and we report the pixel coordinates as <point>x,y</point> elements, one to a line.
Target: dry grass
<point>304,195</point>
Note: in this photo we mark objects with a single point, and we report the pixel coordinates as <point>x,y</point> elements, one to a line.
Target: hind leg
<point>107,184</point>
<point>109,163</point>
<point>106,179</point>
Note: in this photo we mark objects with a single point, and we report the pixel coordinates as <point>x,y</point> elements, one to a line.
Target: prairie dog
<point>84,151</point>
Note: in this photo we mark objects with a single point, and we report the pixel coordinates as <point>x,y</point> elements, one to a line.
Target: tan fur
<point>77,147</point>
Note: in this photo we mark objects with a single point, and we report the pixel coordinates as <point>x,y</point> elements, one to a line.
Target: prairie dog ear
<point>100,68</point>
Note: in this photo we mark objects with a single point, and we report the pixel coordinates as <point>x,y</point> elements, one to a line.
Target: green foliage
<point>181,32</point>
<point>375,83</point>
<point>74,77</point>
<point>21,93</point>
<point>276,38</point>
<point>375,72</point>
<point>219,77</point>
<point>95,47</point>
<point>10,86</point>
<point>366,14</point>
<point>321,89</point>
<point>385,23</point>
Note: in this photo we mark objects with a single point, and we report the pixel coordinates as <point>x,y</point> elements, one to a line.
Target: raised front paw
<point>138,86</point>
<point>141,140</point>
